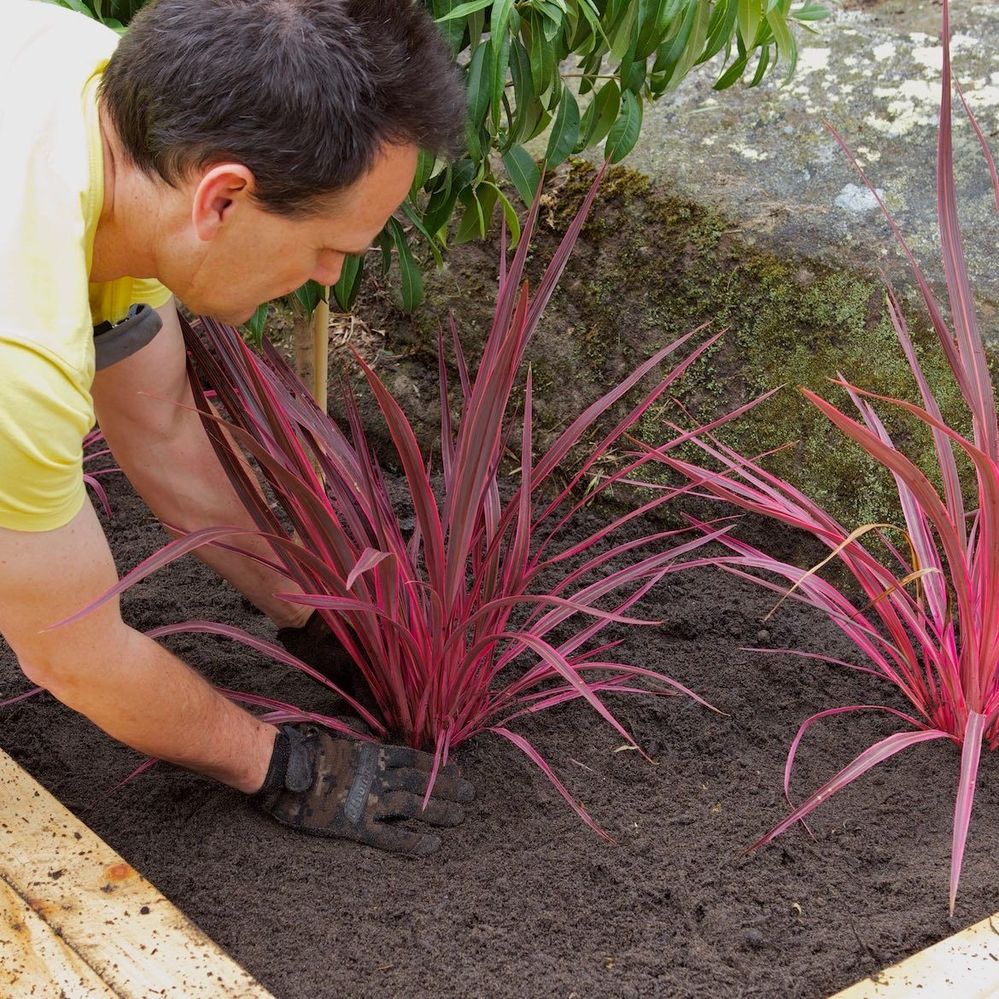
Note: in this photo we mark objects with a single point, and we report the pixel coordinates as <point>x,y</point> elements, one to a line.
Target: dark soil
<point>523,900</point>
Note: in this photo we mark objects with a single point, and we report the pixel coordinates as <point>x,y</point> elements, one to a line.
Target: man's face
<point>243,255</point>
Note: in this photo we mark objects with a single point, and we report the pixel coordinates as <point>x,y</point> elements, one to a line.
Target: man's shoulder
<point>32,24</point>
<point>51,174</point>
<point>48,53</point>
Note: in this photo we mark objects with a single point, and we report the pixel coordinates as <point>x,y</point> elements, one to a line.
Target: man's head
<point>282,133</point>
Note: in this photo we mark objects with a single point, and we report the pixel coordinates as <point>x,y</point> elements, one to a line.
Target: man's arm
<point>146,410</point>
<point>124,682</point>
<point>147,698</point>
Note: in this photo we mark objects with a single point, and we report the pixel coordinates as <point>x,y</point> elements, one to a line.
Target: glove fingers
<point>452,787</point>
<point>446,787</point>
<point>403,805</point>
<point>415,759</point>
<point>403,756</point>
<point>399,760</point>
<point>398,839</point>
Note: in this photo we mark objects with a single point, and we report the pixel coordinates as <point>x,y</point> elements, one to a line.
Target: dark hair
<point>303,92</point>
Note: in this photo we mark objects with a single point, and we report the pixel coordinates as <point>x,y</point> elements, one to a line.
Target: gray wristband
<point>113,342</point>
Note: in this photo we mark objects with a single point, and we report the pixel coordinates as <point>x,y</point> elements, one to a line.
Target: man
<point>225,151</point>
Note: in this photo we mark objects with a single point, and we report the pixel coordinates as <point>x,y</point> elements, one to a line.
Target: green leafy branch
<point>577,71</point>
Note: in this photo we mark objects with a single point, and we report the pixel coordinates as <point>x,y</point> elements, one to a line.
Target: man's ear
<point>218,195</point>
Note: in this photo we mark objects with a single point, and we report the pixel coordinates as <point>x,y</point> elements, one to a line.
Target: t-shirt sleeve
<point>43,420</point>
<point>111,301</point>
<point>145,291</point>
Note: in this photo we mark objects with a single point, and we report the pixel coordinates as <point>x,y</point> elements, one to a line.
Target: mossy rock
<point>650,267</point>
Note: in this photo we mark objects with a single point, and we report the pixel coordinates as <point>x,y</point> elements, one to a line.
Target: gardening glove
<point>316,645</point>
<point>325,786</point>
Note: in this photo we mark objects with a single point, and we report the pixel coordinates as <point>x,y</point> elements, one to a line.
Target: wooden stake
<point>301,332</point>
<point>321,351</point>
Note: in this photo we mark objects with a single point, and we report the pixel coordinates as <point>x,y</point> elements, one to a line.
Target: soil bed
<point>523,900</point>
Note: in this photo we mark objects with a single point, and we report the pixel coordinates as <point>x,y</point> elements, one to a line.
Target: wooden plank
<point>36,962</point>
<point>964,966</point>
<point>321,351</point>
<point>106,913</point>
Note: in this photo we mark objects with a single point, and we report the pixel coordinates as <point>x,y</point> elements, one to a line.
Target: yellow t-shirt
<point>52,184</point>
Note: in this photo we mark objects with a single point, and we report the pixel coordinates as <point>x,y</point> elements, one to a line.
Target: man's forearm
<point>182,482</point>
<point>146,410</point>
<point>134,689</point>
<point>143,696</point>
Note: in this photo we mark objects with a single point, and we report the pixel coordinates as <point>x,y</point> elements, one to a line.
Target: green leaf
<point>523,172</point>
<point>565,130</point>
<point>544,119</point>
<point>589,11</point>
<point>761,66</point>
<point>480,71</point>
<point>476,24</point>
<point>448,186</point>
<point>695,43</point>
<point>510,215</point>
<point>439,208</point>
<point>720,28</point>
<point>523,89</point>
<point>654,24</point>
<point>499,17</point>
<point>501,63</point>
<point>257,322</point>
<point>472,224</point>
<point>787,51</point>
<point>811,12</point>
<point>621,36</point>
<point>534,121</point>
<point>386,243</point>
<point>542,55</point>
<point>309,295</point>
<point>733,73</point>
<point>412,279</point>
<point>750,17</point>
<point>463,10</point>
<point>481,202</point>
<point>671,53</point>
<point>78,5</point>
<point>624,133</point>
<point>425,162</point>
<point>346,289</point>
<point>632,72</point>
<point>453,31</point>
<point>410,212</point>
<point>599,115</point>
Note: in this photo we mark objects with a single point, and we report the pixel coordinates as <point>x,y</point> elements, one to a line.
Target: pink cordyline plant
<point>92,478</point>
<point>484,613</point>
<point>929,623</point>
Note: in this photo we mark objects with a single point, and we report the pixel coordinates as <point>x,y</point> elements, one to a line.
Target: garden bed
<point>523,900</point>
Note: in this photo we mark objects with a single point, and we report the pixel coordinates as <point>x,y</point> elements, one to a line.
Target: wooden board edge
<point>962,966</point>
<point>35,961</point>
<point>135,940</point>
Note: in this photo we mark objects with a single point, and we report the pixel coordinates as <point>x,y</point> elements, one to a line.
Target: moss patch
<point>650,267</point>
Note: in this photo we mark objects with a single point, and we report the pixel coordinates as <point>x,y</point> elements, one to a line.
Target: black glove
<point>316,645</point>
<point>326,786</point>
